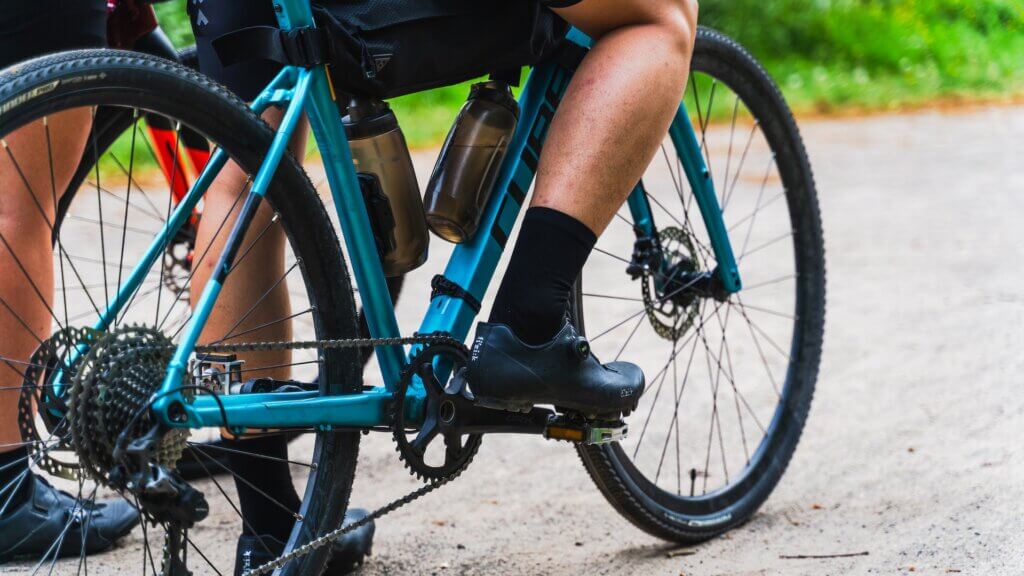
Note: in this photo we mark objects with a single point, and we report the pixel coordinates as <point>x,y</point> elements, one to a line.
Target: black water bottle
<point>388,183</point>
<point>469,161</point>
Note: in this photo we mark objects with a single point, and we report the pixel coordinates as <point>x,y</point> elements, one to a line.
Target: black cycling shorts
<point>213,18</point>
<point>30,28</point>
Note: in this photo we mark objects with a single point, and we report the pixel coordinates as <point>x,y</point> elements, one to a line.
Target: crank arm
<point>480,420</point>
<point>542,421</point>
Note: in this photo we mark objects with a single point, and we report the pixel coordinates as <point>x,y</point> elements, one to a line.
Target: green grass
<point>829,56</point>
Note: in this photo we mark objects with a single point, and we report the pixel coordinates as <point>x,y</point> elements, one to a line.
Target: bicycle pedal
<point>588,432</point>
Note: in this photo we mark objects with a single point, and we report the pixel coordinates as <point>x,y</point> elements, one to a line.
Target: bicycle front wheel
<point>100,231</point>
<point>729,382</point>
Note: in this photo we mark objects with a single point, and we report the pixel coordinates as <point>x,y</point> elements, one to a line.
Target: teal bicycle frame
<point>472,265</point>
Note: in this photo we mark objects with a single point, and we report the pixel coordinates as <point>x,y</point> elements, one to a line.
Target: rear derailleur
<point>161,494</point>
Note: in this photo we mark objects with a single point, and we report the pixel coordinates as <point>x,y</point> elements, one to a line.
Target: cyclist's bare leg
<point>250,299</point>
<point>25,241</point>
<point>618,106</point>
<point>262,267</point>
<point>607,128</point>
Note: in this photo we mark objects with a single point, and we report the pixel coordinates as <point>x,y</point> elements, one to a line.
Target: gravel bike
<point>713,280</point>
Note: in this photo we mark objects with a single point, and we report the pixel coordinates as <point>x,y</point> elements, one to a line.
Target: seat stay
<point>169,404</point>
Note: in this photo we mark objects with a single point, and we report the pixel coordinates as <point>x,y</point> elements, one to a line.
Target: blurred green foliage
<point>827,55</point>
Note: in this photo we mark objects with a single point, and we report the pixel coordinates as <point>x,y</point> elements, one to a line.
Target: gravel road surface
<point>912,460</point>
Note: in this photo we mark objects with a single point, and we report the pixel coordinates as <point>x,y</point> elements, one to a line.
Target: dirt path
<point>912,452</point>
<point>912,458</point>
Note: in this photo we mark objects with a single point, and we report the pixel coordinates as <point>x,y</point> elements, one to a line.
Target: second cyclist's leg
<point>254,302</point>
<point>36,165</point>
<point>607,128</point>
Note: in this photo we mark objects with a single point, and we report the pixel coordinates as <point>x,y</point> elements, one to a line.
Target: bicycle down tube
<point>471,266</point>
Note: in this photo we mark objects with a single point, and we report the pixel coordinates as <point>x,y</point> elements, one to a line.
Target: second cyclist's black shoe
<point>48,516</point>
<point>506,373</point>
<point>347,553</point>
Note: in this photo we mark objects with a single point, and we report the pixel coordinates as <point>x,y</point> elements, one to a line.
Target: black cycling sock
<point>549,255</point>
<point>263,513</point>
<point>13,469</point>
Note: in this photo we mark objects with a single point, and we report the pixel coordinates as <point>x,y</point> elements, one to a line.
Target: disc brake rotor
<point>669,312</point>
<point>177,260</point>
<point>42,415</point>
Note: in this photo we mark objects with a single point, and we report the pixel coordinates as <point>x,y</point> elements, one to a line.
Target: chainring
<point>42,415</point>
<point>458,453</point>
<point>669,318</point>
<point>109,396</point>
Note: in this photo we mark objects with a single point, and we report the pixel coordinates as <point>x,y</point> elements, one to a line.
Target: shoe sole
<point>525,407</point>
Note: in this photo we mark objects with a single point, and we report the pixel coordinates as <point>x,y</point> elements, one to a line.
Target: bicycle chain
<point>338,533</point>
<point>424,339</point>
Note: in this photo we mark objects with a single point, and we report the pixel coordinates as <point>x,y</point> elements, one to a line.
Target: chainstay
<point>339,532</point>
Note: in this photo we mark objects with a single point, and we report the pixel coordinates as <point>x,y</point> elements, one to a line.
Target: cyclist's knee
<point>680,21</point>
<point>677,19</point>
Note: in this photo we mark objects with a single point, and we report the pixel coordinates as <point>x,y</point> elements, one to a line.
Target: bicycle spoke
<point>760,352</point>
<point>764,245</point>
<point>606,253</point>
<point>46,219</point>
<point>757,208</point>
<point>743,159</point>
<point>252,454</point>
<point>728,155</point>
<point>266,325</point>
<point>53,195</point>
<point>59,541</point>
<point>82,563</point>
<point>677,393</point>
<point>259,301</point>
<point>170,197</point>
<point>610,297</point>
<point>152,210</point>
<point>231,503</point>
<point>203,556</point>
<point>676,348</point>
<point>247,249</point>
<point>752,287</point>
<point>138,209</point>
<point>731,376</point>
<point>99,210</point>
<point>109,226</point>
<point>196,264</point>
<point>766,311</point>
<point>147,552</point>
<point>35,288</point>
<point>644,309</point>
<point>630,337</point>
<point>771,201</point>
<point>127,198</point>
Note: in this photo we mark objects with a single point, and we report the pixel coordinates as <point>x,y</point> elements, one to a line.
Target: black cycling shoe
<point>507,374</point>
<point>32,528</point>
<point>347,553</point>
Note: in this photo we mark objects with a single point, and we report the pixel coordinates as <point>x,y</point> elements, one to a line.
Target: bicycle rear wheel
<point>93,256</point>
<point>729,383</point>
